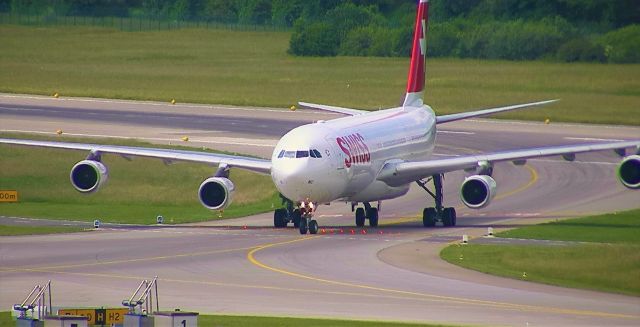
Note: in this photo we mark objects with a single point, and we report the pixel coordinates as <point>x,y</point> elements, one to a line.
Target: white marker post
<point>465,239</point>
<point>490,232</point>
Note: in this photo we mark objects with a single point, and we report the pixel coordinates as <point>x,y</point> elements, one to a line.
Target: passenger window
<point>302,154</point>
<point>290,154</point>
<point>317,153</point>
<point>281,154</point>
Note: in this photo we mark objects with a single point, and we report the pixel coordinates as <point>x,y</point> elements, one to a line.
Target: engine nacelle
<point>88,176</point>
<point>216,193</point>
<point>629,172</point>
<point>477,191</point>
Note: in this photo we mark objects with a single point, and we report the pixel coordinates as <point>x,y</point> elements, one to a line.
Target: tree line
<point>565,30</point>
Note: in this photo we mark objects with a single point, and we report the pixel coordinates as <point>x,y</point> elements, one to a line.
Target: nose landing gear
<point>307,223</point>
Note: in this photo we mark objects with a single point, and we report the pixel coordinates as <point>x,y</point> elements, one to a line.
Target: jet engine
<point>87,176</point>
<point>477,191</point>
<point>629,172</point>
<point>216,193</point>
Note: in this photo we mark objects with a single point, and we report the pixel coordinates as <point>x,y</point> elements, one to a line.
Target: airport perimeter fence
<point>130,24</point>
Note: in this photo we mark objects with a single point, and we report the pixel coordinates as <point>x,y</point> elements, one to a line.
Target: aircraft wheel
<point>303,226</point>
<point>429,217</point>
<point>454,217</point>
<point>372,214</point>
<point>313,227</point>
<point>449,216</point>
<point>297,216</point>
<point>280,218</point>
<point>360,217</point>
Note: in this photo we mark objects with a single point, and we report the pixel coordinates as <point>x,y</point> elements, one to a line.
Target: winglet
<point>415,81</point>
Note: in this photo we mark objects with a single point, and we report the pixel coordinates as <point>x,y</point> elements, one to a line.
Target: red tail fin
<point>415,83</point>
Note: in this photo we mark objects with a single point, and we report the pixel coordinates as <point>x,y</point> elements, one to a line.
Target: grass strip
<point>136,192</point>
<point>238,321</point>
<point>608,259</point>
<point>10,230</point>
<point>253,68</point>
<point>619,227</point>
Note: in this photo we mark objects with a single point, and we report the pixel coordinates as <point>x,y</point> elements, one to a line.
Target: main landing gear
<point>438,213</point>
<point>368,212</point>
<point>286,215</point>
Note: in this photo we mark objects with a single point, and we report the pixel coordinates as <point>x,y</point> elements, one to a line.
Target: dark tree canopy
<point>567,30</point>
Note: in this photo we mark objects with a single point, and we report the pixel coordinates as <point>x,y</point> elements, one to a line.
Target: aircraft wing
<point>247,163</point>
<point>340,110</point>
<point>406,172</point>
<point>486,112</point>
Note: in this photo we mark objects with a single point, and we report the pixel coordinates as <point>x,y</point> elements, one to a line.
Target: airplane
<point>362,158</point>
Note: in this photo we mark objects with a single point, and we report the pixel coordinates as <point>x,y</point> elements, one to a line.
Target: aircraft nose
<point>298,181</point>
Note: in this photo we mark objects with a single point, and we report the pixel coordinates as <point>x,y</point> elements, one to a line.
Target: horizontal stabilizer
<point>340,110</point>
<point>486,112</point>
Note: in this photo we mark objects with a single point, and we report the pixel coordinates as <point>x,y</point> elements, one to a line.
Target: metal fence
<point>130,24</point>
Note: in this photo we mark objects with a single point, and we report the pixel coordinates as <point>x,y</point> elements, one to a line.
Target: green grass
<point>136,192</point>
<point>622,227</point>
<point>253,68</point>
<point>229,321</point>
<point>6,230</point>
<point>608,261</point>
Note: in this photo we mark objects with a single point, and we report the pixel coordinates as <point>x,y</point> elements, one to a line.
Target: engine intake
<point>629,172</point>
<point>216,193</point>
<point>477,191</point>
<point>88,176</point>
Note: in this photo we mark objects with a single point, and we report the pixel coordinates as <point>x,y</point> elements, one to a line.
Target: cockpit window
<point>300,154</point>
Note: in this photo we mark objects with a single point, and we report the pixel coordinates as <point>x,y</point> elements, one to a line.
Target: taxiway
<point>390,273</point>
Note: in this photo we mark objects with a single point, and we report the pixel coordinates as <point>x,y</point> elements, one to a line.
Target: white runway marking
<point>591,139</point>
<point>445,155</point>
<point>146,138</point>
<point>151,103</point>
<point>456,132</point>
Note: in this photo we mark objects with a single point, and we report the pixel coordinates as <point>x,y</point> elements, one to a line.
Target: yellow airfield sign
<point>8,196</point>
<point>98,316</point>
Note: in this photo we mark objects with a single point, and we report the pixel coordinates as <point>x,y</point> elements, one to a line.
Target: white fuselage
<point>340,159</point>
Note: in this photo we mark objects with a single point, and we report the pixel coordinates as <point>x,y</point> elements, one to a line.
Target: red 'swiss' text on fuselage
<point>355,148</point>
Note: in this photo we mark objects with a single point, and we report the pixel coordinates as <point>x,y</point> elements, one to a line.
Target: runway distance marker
<point>8,196</point>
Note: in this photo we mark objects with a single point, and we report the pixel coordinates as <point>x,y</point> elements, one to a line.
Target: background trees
<point>566,30</point>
